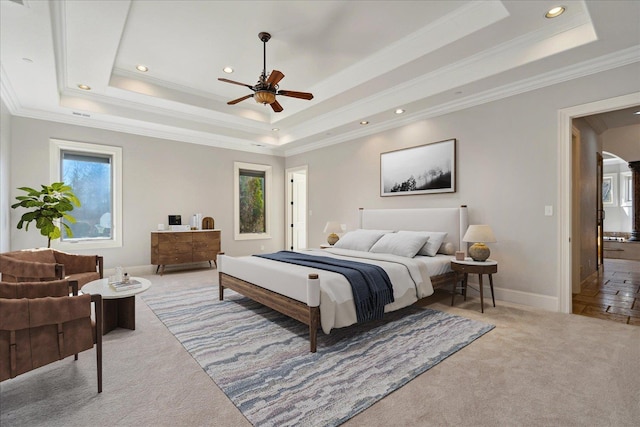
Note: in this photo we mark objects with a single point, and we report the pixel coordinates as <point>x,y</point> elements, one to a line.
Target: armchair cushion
<point>74,264</point>
<point>17,269</point>
<point>56,288</point>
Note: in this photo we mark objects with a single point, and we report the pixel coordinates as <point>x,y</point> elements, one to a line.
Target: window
<point>626,189</point>
<point>252,189</point>
<point>94,173</point>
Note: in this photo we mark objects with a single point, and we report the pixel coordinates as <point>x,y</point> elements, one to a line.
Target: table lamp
<point>479,235</point>
<point>332,227</point>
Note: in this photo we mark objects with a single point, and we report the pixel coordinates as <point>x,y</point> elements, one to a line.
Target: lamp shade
<point>479,234</point>
<point>333,227</point>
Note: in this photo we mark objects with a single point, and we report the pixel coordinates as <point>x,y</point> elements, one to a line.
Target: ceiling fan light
<point>265,97</point>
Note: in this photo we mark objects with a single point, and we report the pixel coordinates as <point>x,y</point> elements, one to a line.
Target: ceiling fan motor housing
<point>265,97</point>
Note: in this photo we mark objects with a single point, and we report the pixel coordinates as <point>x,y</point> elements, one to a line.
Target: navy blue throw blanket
<point>371,286</point>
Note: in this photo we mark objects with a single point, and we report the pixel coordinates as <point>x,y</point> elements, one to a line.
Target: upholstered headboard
<point>452,220</point>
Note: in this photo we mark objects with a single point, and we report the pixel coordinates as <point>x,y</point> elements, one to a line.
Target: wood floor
<point>612,294</point>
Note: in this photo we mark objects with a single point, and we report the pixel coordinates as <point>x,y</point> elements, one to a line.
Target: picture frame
<point>424,169</point>
<point>609,187</point>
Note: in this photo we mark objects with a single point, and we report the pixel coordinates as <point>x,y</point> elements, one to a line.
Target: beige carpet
<point>534,369</point>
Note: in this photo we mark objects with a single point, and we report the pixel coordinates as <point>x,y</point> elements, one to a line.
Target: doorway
<point>565,190</point>
<point>296,226</point>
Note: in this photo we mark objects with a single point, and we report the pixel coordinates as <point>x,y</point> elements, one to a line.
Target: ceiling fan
<point>267,88</point>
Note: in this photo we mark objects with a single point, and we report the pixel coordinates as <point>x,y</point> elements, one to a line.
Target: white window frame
<point>237,166</point>
<point>57,146</point>
<point>626,198</point>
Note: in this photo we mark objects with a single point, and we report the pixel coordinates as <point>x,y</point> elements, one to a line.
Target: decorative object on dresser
<point>182,247</point>
<point>429,168</point>
<point>332,227</point>
<point>175,220</point>
<point>207,223</point>
<point>479,235</point>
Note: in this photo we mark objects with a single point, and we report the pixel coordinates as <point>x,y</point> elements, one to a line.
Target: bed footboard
<point>307,314</point>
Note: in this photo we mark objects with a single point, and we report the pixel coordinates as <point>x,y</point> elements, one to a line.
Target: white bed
<point>323,298</point>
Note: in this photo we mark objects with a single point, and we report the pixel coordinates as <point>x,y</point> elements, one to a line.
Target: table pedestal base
<point>119,312</point>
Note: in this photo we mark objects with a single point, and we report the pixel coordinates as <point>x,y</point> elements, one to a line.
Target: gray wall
<point>160,177</point>
<point>507,173</point>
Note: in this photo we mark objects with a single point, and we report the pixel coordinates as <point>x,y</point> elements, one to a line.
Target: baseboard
<point>137,270</point>
<point>543,302</point>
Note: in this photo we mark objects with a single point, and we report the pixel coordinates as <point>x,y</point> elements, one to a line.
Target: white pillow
<point>406,245</point>
<point>433,244</point>
<point>360,240</point>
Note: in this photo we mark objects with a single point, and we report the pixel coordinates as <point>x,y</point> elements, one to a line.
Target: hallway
<point>612,294</point>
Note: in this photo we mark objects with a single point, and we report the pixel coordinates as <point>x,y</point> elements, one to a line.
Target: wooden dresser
<point>182,247</point>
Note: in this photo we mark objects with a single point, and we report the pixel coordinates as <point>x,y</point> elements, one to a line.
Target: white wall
<point>160,177</point>
<point>507,173</point>
<point>5,185</point>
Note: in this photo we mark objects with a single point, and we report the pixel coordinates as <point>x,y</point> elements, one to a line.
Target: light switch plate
<point>548,210</point>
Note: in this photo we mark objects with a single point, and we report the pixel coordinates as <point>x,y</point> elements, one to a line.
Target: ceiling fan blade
<point>235,101</point>
<point>276,106</point>
<point>235,83</point>
<point>294,94</point>
<point>275,77</point>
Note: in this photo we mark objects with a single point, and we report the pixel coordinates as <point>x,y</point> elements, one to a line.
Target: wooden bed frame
<point>309,313</point>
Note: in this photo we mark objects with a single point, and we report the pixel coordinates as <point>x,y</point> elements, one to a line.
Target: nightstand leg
<point>491,284</point>
<point>455,286</point>
<point>464,285</point>
<point>481,298</point>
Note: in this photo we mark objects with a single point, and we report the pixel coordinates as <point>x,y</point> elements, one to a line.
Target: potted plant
<point>50,206</point>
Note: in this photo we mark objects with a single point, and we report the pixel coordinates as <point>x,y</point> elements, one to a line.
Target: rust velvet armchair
<point>40,324</point>
<point>32,265</point>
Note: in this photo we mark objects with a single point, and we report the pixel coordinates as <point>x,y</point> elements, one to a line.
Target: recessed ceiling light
<point>275,129</point>
<point>399,111</point>
<point>364,122</point>
<point>554,12</point>
<point>27,60</point>
<point>84,87</point>
<point>142,68</point>
<point>228,70</point>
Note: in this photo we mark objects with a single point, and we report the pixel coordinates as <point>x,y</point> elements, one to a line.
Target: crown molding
<point>574,71</point>
<point>7,93</point>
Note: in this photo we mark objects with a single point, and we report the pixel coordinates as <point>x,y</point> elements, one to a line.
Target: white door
<point>296,208</point>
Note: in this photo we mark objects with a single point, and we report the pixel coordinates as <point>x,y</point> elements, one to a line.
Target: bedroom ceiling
<point>361,59</point>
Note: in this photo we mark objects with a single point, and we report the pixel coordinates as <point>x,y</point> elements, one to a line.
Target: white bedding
<point>409,276</point>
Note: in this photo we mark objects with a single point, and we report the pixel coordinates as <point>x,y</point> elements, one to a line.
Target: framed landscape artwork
<point>425,169</point>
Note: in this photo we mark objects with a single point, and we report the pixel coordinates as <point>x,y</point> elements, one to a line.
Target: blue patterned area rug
<point>261,360</point>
